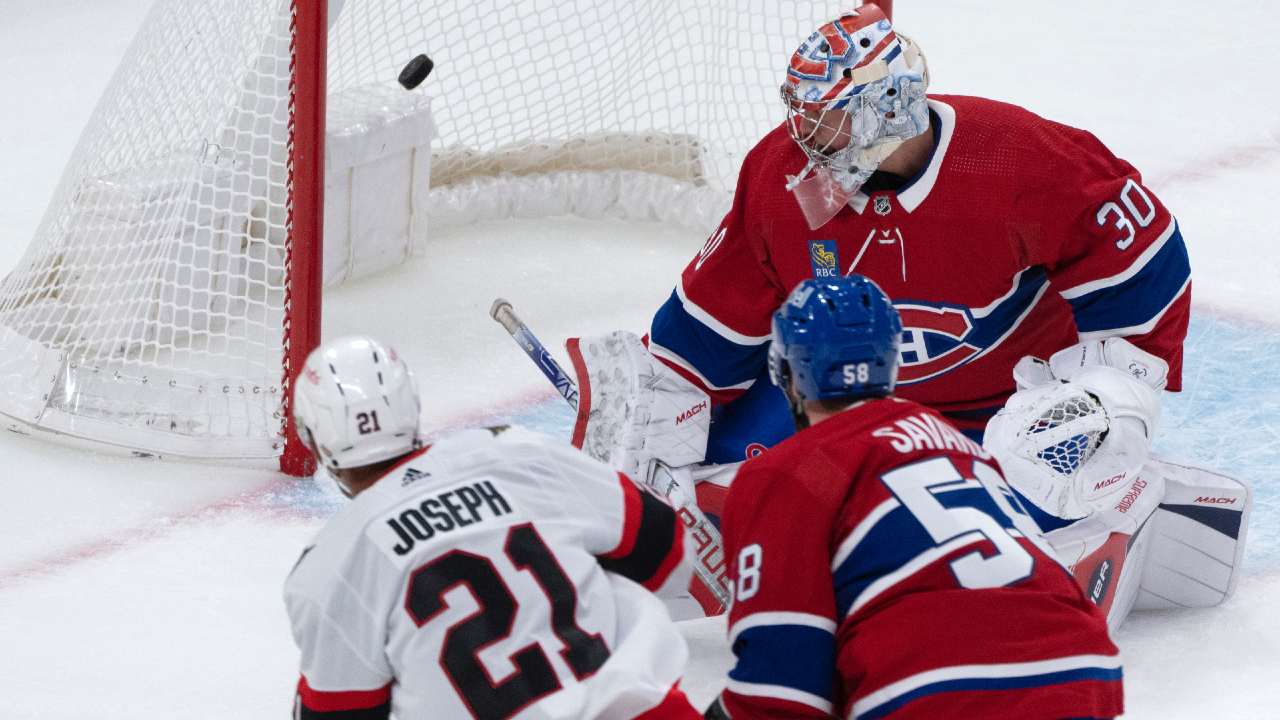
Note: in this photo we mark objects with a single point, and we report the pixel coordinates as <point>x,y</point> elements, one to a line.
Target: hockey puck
<point>415,72</point>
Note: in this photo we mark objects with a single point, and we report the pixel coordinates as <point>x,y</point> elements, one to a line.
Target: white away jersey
<point>495,574</point>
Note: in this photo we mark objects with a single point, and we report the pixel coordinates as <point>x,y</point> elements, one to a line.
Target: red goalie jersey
<point>1020,236</point>
<point>883,569</point>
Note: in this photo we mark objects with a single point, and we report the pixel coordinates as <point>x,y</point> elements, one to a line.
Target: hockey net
<point>152,309</point>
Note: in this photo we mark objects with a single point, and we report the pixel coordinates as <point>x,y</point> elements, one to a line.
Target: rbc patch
<point>822,255</point>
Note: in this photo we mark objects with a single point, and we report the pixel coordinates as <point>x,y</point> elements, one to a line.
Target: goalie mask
<point>834,339</point>
<point>355,403</point>
<point>855,91</point>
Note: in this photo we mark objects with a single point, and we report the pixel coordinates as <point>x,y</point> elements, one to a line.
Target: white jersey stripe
<point>780,692</point>
<point>1030,306</point>
<point>718,327</point>
<point>911,567</point>
<point>662,352</point>
<point>781,618</point>
<point>849,544</point>
<point>972,672</point>
<point>1134,269</point>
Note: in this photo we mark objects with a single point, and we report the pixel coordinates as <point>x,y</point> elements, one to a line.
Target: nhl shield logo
<point>882,206</point>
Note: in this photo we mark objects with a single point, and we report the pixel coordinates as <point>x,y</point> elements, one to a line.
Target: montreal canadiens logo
<point>933,340</point>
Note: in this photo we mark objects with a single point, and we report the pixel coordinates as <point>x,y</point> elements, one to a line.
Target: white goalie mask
<point>1070,446</point>
<point>356,403</point>
<point>855,91</point>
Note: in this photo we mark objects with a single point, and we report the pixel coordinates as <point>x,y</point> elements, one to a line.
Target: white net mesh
<point>682,88</point>
<point>1067,457</point>
<point>149,310</point>
<point>157,273</point>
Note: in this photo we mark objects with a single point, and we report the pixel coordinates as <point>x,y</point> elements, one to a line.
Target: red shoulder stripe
<point>323,701</point>
<point>631,521</point>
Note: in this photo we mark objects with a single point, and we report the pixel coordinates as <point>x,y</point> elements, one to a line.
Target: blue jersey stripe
<point>721,361</point>
<point>800,657</point>
<point>1003,683</point>
<point>991,327</point>
<point>898,538</point>
<point>1140,298</point>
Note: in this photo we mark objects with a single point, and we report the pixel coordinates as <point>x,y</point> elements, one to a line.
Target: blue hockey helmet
<point>836,338</point>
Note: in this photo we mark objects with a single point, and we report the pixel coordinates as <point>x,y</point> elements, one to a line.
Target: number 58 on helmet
<point>836,338</point>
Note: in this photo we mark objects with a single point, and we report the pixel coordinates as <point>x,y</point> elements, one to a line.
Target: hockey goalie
<point>1000,237</point>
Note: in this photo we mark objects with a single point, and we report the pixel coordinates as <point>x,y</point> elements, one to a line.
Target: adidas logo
<point>412,475</point>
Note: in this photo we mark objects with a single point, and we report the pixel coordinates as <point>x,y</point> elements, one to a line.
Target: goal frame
<point>305,225</point>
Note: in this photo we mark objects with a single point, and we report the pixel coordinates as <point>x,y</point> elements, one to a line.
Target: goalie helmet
<point>863,81</point>
<point>355,403</point>
<point>836,338</point>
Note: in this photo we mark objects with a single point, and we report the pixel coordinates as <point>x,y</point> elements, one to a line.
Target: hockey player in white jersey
<point>493,574</point>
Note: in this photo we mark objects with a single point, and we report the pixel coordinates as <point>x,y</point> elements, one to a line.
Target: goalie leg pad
<point>633,409</point>
<point>1197,537</point>
<point>1106,551</point>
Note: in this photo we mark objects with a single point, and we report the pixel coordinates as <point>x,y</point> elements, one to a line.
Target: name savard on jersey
<point>924,431</point>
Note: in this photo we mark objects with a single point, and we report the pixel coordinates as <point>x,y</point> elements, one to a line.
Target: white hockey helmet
<point>356,403</point>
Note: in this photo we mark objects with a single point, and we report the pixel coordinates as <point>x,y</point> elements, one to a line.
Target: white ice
<point>134,588</point>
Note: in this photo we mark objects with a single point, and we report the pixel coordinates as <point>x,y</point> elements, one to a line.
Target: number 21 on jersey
<point>534,677</point>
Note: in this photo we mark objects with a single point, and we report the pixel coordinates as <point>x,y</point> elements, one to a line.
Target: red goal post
<point>175,280</point>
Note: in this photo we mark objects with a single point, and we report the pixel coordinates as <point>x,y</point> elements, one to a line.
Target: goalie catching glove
<point>633,409</point>
<point>1080,426</point>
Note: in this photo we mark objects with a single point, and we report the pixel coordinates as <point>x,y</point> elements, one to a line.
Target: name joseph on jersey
<point>398,531</point>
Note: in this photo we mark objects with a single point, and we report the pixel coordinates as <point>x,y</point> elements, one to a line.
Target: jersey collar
<point>917,188</point>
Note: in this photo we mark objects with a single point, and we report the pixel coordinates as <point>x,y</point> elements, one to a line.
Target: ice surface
<point>134,588</point>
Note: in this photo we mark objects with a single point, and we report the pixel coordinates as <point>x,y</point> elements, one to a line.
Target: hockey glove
<point>1080,426</point>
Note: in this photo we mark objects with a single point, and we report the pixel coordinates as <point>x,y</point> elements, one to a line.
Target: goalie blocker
<point>646,421</point>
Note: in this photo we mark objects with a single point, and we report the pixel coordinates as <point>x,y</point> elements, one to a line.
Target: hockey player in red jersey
<point>882,567</point>
<point>1001,237</point>
<point>494,574</point>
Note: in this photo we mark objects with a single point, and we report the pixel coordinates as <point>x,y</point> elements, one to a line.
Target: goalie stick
<point>710,563</point>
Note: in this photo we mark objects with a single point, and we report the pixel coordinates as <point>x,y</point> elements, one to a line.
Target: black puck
<point>415,72</point>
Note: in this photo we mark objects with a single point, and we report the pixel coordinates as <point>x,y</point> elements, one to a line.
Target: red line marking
<point>1208,168</point>
<point>157,528</point>
<point>473,418</point>
<point>136,536</point>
